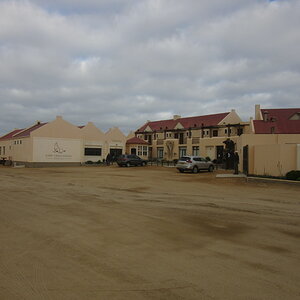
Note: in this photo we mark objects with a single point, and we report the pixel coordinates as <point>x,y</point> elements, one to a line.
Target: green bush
<point>89,162</point>
<point>293,175</point>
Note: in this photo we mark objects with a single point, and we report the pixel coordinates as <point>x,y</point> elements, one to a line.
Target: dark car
<point>130,160</point>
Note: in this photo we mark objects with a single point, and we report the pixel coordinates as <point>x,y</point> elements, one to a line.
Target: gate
<point>245,159</point>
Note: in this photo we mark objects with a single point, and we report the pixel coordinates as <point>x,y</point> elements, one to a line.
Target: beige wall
<point>44,143</point>
<point>114,139</point>
<point>139,151</point>
<point>231,118</point>
<point>93,137</point>
<point>17,149</point>
<point>58,128</point>
<point>264,139</point>
<point>274,160</point>
<point>56,150</point>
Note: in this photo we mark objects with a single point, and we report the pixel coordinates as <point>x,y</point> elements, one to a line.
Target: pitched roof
<point>27,131</point>
<point>278,121</point>
<point>207,120</point>
<point>136,140</point>
<point>10,134</point>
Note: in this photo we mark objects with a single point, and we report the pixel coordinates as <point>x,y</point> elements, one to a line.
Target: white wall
<point>56,150</point>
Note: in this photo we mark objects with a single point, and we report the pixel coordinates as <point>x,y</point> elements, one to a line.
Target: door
<point>133,151</point>
<point>220,150</point>
<point>246,159</point>
<point>115,153</point>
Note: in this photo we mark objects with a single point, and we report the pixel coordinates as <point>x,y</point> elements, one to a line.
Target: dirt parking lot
<point>145,233</point>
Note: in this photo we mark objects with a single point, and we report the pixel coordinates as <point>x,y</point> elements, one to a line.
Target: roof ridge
<point>187,117</point>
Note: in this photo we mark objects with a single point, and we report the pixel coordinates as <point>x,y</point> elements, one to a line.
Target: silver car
<point>194,164</point>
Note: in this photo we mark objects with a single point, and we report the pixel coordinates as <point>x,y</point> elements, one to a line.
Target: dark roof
<point>278,121</point>
<point>189,122</point>
<point>136,140</point>
<point>10,134</point>
<point>27,131</point>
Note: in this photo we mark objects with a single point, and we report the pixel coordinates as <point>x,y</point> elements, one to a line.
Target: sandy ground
<point>145,233</point>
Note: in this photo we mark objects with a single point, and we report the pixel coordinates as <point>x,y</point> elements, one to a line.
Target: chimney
<point>176,117</point>
<point>266,116</point>
<point>258,115</point>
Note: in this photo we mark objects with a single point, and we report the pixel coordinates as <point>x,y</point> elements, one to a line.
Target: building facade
<point>272,147</point>
<point>60,143</point>
<point>200,135</point>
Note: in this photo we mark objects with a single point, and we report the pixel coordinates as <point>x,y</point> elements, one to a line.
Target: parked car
<point>130,160</point>
<point>194,164</point>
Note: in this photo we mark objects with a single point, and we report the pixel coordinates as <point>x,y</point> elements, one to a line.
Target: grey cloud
<point>119,63</point>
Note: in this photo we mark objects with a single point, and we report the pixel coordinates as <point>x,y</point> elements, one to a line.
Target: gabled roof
<point>26,132</point>
<point>278,121</point>
<point>136,140</point>
<point>10,135</point>
<point>189,122</point>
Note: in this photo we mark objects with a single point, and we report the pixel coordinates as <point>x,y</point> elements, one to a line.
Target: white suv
<point>194,164</point>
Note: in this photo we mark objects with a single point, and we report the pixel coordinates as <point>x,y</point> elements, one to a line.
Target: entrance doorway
<point>220,151</point>
<point>133,151</point>
<point>115,153</point>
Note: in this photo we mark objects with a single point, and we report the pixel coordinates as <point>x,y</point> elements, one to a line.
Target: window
<point>3,150</point>
<point>215,132</point>
<point>182,151</point>
<point>240,131</point>
<point>140,150</point>
<point>160,152</point>
<point>195,150</point>
<point>145,150</point>
<point>92,151</point>
<point>0,150</point>
<point>20,142</point>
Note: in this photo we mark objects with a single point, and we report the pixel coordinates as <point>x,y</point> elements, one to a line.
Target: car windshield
<point>184,158</point>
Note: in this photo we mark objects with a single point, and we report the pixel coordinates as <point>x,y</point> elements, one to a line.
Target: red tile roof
<point>27,131</point>
<point>278,121</point>
<point>136,140</point>
<point>10,134</point>
<point>208,120</point>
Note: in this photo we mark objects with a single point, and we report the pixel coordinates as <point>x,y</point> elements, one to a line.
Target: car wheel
<point>143,163</point>
<point>128,164</point>
<point>181,171</point>
<point>195,170</point>
<point>211,168</point>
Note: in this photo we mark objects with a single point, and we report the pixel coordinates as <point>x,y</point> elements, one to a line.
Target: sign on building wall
<point>56,150</point>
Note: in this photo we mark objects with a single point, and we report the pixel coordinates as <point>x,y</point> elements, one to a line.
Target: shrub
<point>89,162</point>
<point>293,175</point>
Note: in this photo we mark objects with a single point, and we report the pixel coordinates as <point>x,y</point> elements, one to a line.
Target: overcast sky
<point>123,62</point>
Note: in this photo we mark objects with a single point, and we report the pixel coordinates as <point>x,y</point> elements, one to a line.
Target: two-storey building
<point>199,135</point>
